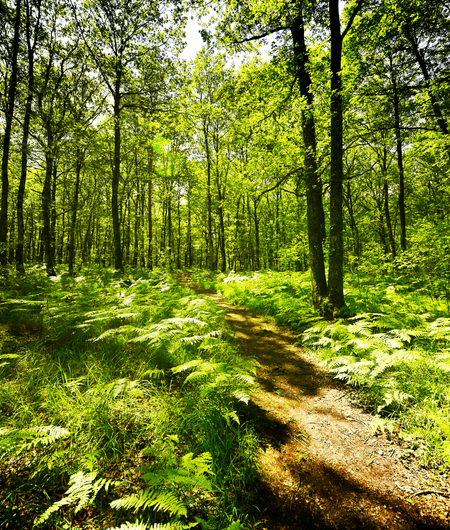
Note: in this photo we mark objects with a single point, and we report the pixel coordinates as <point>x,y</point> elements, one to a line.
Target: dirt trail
<point>321,466</point>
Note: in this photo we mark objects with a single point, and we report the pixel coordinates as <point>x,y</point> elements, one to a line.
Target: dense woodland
<point>280,176</point>
<point>331,150</point>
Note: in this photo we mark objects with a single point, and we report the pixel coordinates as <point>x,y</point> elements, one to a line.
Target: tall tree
<point>32,35</point>
<point>120,36</point>
<point>336,250</point>
<point>13,53</point>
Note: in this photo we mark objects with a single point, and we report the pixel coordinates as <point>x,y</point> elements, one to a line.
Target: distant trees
<point>119,154</point>
<point>121,37</point>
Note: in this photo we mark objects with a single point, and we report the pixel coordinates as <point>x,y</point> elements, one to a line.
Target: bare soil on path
<point>321,465</point>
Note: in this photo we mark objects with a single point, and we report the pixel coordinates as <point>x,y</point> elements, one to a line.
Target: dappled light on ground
<point>321,464</point>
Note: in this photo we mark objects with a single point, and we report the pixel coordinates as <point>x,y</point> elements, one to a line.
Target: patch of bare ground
<point>321,466</point>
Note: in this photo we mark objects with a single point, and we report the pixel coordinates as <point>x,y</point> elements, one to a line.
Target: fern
<point>84,487</point>
<point>133,526</point>
<point>218,378</point>
<point>119,386</point>
<point>163,526</point>
<point>18,440</point>
<point>166,502</point>
<point>121,330</point>
<point>168,487</point>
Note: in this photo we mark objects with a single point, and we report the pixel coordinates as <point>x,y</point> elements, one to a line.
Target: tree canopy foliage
<point>328,151</point>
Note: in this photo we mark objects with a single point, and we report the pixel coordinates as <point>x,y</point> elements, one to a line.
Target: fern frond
<point>244,378</point>
<point>323,341</point>
<point>199,465</point>
<point>156,336</point>
<point>176,525</point>
<point>7,356</point>
<point>119,386</point>
<point>389,340</point>
<point>200,338</point>
<point>167,502</point>
<point>178,322</point>
<point>360,344</point>
<point>18,440</point>
<point>241,396</point>
<point>113,331</point>
<point>187,366</point>
<point>361,327</point>
<point>83,490</point>
<point>366,315</point>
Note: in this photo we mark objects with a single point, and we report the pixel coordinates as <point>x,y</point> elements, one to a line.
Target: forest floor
<point>321,465</point>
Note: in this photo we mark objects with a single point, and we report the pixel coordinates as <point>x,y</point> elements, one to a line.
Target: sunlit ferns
<point>359,356</point>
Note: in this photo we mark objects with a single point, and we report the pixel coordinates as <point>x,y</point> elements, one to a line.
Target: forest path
<point>321,466</point>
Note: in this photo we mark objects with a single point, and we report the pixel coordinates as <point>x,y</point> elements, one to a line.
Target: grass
<point>119,399</point>
<point>395,349</point>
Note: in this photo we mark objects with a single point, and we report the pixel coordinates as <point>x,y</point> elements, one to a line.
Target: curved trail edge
<point>321,466</point>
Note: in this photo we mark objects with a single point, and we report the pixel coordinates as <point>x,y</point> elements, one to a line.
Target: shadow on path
<point>321,465</point>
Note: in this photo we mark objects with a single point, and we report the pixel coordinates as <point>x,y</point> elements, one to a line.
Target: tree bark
<point>209,236</point>
<point>401,173</point>
<point>354,226</point>
<point>49,247</point>
<point>387,215</point>
<point>118,263</point>
<point>223,255</point>
<point>25,138</point>
<point>7,138</point>
<point>336,255</point>
<point>73,219</point>
<point>426,74</point>
<point>150,206</point>
<point>313,184</point>
<point>257,264</point>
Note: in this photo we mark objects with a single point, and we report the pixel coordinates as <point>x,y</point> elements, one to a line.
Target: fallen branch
<point>428,492</point>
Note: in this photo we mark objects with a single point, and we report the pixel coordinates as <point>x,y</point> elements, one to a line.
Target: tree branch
<point>352,18</point>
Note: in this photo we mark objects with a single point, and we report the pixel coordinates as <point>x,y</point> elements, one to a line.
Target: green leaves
<point>16,441</point>
<point>134,375</point>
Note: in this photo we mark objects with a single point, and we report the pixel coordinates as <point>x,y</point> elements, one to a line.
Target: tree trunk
<point>53,209</point>
<point>7,138</point>
<point>170,247</point>
<point>209,236</point>
<point>426,74</point>
<point>388,218</point>
<point>86,246</point>
<point>24,146</point>
<point>250,257</point>
<point>150,219</point>
<point>336,255</point>
<point>401,174</point>
<point>49,248</point>
<point>179,232</point>
<point>118,264</point>
<point>223,255</point>
<point>237,250</point>
<point>73,219</point>
<point>188,260</point>
<point>313,184</point>
<point>257,264</point>
<point>354,226</point>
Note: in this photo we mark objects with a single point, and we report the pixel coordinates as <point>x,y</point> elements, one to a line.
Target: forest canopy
<point>299,166</point>
<point>329,153</point>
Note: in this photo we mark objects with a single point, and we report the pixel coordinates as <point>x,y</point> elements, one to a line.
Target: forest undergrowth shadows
<point>393,352</point>
<point>119,402</point>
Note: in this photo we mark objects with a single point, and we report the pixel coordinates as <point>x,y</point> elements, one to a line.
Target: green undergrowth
<point>395,349</point>
<point>121,400</point>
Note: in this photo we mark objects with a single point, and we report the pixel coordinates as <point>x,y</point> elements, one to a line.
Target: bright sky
<point>195,43</point>
<point>193,39</point>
